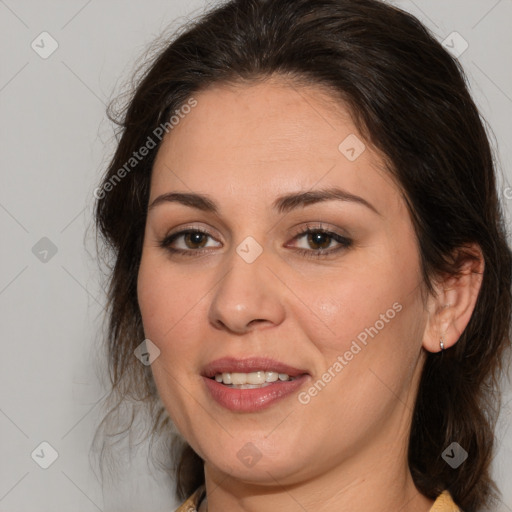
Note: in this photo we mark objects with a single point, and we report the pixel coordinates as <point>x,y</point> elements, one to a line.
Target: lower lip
<point>252,400</point>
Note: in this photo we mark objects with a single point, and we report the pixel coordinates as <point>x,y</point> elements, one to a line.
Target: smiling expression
<point>266,238</point>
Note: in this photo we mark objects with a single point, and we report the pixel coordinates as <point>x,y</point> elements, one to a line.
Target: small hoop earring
<point>441,344</point>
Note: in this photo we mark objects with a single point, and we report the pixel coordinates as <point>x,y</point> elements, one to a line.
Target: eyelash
<point>344,242</point>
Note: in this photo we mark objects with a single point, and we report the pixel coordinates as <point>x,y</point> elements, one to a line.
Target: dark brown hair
<point>410,100</point>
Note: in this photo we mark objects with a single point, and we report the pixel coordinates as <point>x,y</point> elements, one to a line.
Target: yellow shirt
<point>443,503</point>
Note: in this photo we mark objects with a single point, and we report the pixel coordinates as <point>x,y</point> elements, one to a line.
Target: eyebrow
<point>282,204</point>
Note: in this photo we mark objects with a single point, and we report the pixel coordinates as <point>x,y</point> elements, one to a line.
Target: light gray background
<point>55,141</point>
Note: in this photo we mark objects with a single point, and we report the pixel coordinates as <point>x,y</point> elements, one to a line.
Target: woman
<point>303,215</point>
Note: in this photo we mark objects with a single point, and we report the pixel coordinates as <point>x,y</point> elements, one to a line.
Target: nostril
<point>257,320</point>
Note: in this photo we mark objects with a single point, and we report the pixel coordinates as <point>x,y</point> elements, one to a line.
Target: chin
<point>257,462</point>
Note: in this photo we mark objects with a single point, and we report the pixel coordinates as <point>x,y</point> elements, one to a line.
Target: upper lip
<point>250,364</point>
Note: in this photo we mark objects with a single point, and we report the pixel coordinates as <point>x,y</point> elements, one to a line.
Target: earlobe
<point>450,311</point>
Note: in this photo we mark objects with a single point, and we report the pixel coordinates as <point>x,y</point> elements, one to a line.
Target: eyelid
<point>319,226</point>
<point>190,227</point>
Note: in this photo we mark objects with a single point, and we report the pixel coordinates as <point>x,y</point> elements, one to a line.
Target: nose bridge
<point>248,292</point>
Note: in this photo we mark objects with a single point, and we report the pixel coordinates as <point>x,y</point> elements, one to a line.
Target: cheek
<point>173,307</point>
<point>165,311</point>
<point>370,353</point>
<point>164,299</point>
<point>355,306</point>
<point>371,313</point>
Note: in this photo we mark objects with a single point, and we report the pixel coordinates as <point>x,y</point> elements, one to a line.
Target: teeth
<point>250,386</point>
<point>255,378</point>
<point>271,376</point>
<point>237,378</point>
<point>251,380</point>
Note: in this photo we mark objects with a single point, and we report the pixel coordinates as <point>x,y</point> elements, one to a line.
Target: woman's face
<point>340,310</point>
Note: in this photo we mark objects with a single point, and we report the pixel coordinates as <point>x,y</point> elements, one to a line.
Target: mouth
<point>248,385</point>
<point>252,380</point>
<point>254,371</point>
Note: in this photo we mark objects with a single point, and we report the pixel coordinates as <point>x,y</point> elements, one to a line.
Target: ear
<point>450,310</point>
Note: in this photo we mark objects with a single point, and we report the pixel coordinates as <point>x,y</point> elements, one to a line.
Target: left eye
<point>320,239</point>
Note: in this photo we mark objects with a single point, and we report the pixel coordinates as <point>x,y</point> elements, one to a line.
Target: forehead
<point>255,141</point>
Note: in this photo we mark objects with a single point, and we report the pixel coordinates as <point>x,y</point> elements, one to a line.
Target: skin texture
<point>346,449</point>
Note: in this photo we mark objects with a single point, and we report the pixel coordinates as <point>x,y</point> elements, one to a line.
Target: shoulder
<point>445,503</point>
<point>192,502</point>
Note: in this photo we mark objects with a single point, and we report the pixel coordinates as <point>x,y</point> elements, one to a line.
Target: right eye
<point>187,242</point>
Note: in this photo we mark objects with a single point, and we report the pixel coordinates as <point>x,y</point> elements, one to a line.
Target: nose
<point>248,295</point>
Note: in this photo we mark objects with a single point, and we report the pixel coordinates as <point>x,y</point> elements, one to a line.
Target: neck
<point>383,485</point>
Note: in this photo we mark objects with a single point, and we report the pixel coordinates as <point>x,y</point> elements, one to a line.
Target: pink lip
<point>251,400</point>
<point>252,364</point>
